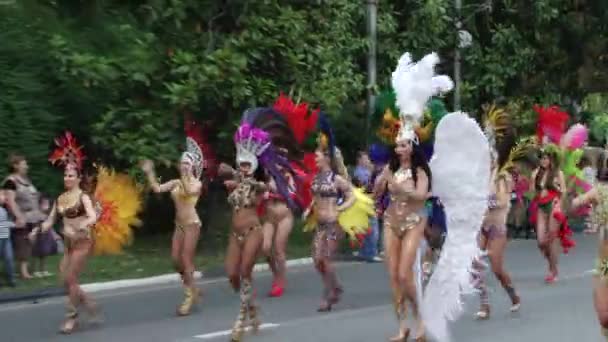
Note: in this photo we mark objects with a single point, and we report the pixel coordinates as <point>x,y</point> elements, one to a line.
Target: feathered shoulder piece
<point>67,152</point>
<point>496,122</point>
<point>551,124</point>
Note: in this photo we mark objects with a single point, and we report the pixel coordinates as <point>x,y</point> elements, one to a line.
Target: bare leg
<point>392,252</point>
<point>269,231</point>
<point>280,242</point>
<point>189,241</point>
<point>177,243</point>
<point>76,261</point>
<point>409,249</point>
<point>554,227</point>
<point>543,237</point>
<point>250,250</point>
<point>496,250</point>
<point>479,279</point>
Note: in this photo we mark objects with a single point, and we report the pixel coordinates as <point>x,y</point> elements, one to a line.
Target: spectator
<point>43,243</point>
<point>6,248</point>
<point>362,178</point>
<point>22,200</point>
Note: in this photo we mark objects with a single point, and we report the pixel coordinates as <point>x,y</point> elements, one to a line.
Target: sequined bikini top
<point>180,194</point>
<point>244,195</point>
<point>401,176</point>
<point>69,205</point>
<point>324,185</point>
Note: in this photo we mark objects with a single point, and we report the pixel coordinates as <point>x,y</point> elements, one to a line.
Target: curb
<point>128,283</point>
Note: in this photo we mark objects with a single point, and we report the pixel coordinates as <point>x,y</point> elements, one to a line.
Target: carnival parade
<point>444,223</point>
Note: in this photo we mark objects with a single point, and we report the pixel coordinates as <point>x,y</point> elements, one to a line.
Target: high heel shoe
<point>68,326</point>
<point>186,306</point>
<point>483,313</point>
<point>94,314</point>
<point>238,328</point>
<point>331,301</point>
<point>402,337</point>
<point>254,319</point>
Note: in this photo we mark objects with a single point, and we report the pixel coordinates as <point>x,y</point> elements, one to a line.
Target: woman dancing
<point>548,183</point>
<point>329,184</point>
<point>75,208</point>
<point>407,179</point>
<point>247,186</point>
<point>598,196</point>
<point>185,193</point>
<point>493,233</point>
<point>101,223</point>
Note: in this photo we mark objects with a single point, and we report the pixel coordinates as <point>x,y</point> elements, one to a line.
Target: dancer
<point>493,233</point>
<point>598,196</point>
<point>337,209</point>
<point>549,184</point>
<point>255,154</point>
<point>103,221</point>
<point>185,193</point>
<point>408,181</point>
<point>279,218</point>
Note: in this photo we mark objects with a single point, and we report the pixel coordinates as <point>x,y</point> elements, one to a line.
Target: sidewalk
<point>216,272</point>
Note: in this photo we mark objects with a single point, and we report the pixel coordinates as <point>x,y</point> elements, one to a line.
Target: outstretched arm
<point>586,198</point>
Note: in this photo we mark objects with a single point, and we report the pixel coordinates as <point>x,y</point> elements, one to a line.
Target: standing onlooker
<point>363,178</point>
<point>23,203</point>
<point>43,243</point>
<point>6,248</point>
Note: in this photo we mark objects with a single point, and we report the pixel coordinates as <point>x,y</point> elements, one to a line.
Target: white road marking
<point>228,332</point>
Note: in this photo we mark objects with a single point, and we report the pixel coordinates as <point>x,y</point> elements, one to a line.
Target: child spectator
<point>6,247</point>
<point>43,243</point>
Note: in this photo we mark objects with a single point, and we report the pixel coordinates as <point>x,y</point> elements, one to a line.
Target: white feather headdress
<point>194,156</point>
<point>414,84</point>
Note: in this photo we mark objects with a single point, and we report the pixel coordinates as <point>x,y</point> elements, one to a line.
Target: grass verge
<point>148,256</point>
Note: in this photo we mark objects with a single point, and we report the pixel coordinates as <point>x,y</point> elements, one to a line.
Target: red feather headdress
<point>552,123</point>
<point>67,152</point>
<point>297,115</point>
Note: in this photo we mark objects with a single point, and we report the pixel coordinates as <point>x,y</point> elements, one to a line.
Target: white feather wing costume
<point>461,176</point>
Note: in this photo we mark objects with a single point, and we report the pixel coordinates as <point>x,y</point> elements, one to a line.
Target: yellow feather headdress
<point>520,151</point>
<point>495,124</point>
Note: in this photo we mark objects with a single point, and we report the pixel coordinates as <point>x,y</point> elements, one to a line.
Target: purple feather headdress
<point>255,145</point>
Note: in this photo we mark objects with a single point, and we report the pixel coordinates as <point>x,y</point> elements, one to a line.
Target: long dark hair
<point>551,173</point>
<point>418,160</point>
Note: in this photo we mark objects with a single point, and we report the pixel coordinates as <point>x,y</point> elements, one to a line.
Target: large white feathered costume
<point>461,177</point>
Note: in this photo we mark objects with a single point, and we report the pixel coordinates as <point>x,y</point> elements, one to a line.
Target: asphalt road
<point>559,313</point>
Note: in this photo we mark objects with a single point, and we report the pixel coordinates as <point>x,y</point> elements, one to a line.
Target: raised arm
<point>148,168</point>
<point>586,198</point>
<point>421,189</point>
<point>50,220</point>
<point>381,182</point>
<point>226,171</point>
<point>347,189</point>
